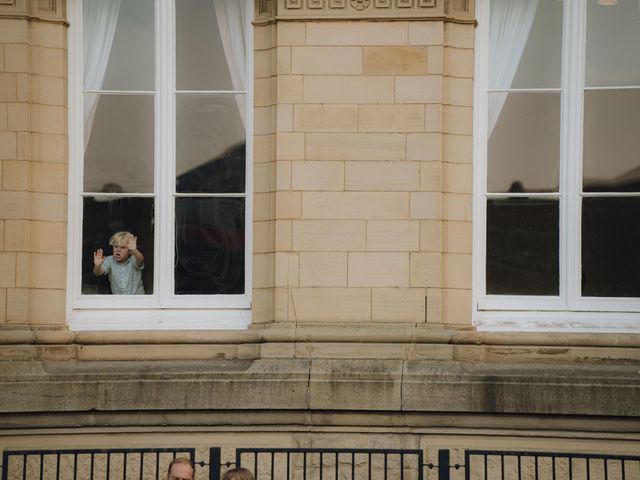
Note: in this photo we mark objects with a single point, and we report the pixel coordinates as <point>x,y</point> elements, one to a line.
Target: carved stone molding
<point>34,10</point>
<point>451,10</point>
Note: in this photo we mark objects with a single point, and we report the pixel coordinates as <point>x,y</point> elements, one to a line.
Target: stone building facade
<point>361,331</point>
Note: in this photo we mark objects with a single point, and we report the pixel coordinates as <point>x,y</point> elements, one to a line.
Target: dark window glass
<point>611,247</point>
<point>210,143</point>
<point>522,246</point>
<point>209,246</point>
<point>105,215</point>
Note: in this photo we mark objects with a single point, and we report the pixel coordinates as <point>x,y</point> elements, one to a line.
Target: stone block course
<point>393,235</point>
<point>424,146</point>
<point>7,269</point>
<point>290,88</point>
<point>17,305</point>
<point>355,146</point>
<point>357,33</point>
<point>8,87</point>
<point>310,175</point>
<point>456,270</point>
<point>419,89</point>
<point>329,235</point>
<point>15,175</point>
<point>390,118</point>
<point>426,33</point>
<point>291,33</point>
<point>47,270</point>
<point>376,269</point>
<point>426,269</point>
<point>331,304</point>
<point>431,176</point>
<point>382,176</point>
<point>325,118</point>
<point>48,237</point>
<point>323,269</point>
<point>48,62</point>
<point>348,89</point>
<point>426,205</point>
<point>16,235</point>
<point>398,305</point>
<point>459,62</point>
<point>355,205</point>
<point>341,60</point>
<point>395,60</point>
<point>431,235</point>
<point>16,58</point>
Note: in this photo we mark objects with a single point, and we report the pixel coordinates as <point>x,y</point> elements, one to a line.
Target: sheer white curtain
<point>100,18</point>
<point>231,16</point>
<point>509,29</point>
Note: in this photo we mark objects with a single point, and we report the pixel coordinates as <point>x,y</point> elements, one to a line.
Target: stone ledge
<point>320,386</point>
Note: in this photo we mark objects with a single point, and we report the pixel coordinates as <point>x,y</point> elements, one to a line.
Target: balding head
<point>181,469</point>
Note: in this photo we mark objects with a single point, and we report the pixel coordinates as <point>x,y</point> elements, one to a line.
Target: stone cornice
<point>444,10</point>
<point>34,10</point>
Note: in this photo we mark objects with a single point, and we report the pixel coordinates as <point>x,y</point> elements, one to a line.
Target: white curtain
<point>100,18</point>
<point>231,16</point>
<point>509,29</point>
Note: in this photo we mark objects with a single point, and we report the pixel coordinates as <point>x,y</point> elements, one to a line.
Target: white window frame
<point>568,311</point>
<point>162,310</point>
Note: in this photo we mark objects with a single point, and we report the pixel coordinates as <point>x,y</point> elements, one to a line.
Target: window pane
<point>118,44</point>
<point>209,246</point>
<point>522,247</point>
<point>210,144</point>
<point>524,144</point>
<point>612,141</point>
<point>613,44</point>
<point>119,153</point>
<point>610,253</point>
<point>525,43</point>
<point>210,45</point>
<point>102,217</point>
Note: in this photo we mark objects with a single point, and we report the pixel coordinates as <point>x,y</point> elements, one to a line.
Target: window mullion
<point>165,145</point>
<point>573,59</point>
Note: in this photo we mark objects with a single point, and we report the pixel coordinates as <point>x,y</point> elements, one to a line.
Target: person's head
<point>181,468</point>
<point>118,242</point>
<point>237,473</point>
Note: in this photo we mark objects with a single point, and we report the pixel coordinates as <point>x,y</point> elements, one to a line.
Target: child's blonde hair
<point>238,473</point>
<point>119,239</point>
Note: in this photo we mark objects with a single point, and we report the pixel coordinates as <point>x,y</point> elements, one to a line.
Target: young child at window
<point>124,267</point>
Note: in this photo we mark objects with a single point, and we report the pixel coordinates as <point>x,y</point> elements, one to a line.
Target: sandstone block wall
<point>33,163</point>
<point>371,167</point>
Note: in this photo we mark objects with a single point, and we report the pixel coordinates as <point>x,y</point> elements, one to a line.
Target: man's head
<point>180,468</point>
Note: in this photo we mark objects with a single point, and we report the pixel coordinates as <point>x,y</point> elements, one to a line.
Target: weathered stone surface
<point>318,385</point>
<point>526,389</point>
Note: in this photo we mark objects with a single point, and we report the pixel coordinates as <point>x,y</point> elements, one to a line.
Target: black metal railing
<point>331,463</point>
<point>318,464</point>
<point>501,465</point>
<point>92,464</point>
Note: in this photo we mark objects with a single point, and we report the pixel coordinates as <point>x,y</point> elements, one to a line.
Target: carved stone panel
<point>458,10</point>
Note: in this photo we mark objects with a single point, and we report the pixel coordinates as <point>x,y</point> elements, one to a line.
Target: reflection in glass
<point>210,144</point>
<point>209,246</point>
<point>525,43</point>
<point>524,147</point>
<point>118,39</point>
<point>105,215</point>
<point>610,253</point>
<point>612,141</point>
<point>613,44</point>
<point>120,147</point>
<point>210,45</point>
<point>522,247</point>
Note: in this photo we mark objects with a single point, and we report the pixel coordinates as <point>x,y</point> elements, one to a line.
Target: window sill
<point>159,319</point>
<point>554,321</point>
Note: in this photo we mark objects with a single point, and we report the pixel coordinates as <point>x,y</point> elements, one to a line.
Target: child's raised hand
<point>98,257</point>
<point>132,242</point>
